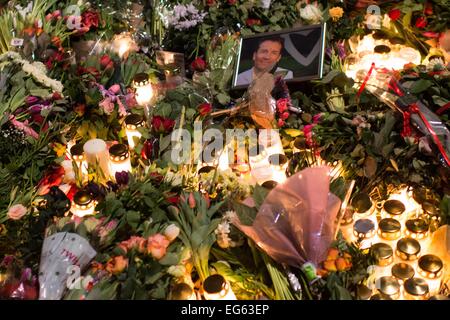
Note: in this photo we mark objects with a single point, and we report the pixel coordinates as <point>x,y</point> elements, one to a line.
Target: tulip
<point>394,14</point>
<point>198,65</point>
<point>191,200</point>
<point>204,109</point>
<point>421,22</point>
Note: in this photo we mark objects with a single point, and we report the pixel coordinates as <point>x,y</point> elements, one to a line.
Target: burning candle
<point>417,229</point>
<point>408,249</point>
<point>416,289</point>
<point>215,287</point>
<point>132,123</point>
<point>144,92</point>
<point>389,229</point>
<point>402,271</point>
<point>382,253</point>
<point>431,267</point>
<point>123,43</point>
<point>182,291</point>
<point>271,141</point>
<point>120,158</point>
<point>389,287</point>
<point>77,155</point>
<point>393,209</point>
<point>83,204</point>
<point>278,164</point>
<point>97,155</point>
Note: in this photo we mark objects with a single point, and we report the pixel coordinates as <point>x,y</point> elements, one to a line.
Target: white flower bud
<point>171,232</point>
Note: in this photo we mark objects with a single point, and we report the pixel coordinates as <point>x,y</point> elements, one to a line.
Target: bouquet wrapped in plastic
<point>62,254</point>
<point>297,221</point>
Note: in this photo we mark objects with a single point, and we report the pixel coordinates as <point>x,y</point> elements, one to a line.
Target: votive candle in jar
<point>83,204</point>
<point>77,154</point>
<point>362,205</point>
<point>389,229</point>
<point>365,229</point>
<point>416,289</point>
<point>417,229</point>
<point>382,253</point>
<point>431,267</point>
<point>132,123</point>
<point>215,287</point>
<point>389,286</point>
<point>408,249</point>
<point>120,158</point>
<point>402,272</point>
<point>393,209</point>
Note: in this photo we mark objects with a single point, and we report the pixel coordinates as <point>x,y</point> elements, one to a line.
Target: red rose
<point>106,62</point>
<point>252,22</point>
<point>280,123</point>
<point>210,3</point>
<point>421,22</point>
<point>282,105</point>
<point>204,109</point>
<point>231,2</point>
<point>147,150</point>
<point>284,115</point>
<point>198,64</point>
<point>162,125</point>
<point>394,14</point>
<point>53,177</point>
<point>90,19</point>
<point>428,9</point>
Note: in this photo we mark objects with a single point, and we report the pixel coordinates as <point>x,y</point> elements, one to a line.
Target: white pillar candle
<point>96,153</point>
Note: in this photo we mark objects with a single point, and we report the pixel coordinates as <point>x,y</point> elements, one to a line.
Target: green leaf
<point>169,259</point>
<point>133,218</point>
<point>259,195</point>
<point>330,76</point>
<point>421,85</point>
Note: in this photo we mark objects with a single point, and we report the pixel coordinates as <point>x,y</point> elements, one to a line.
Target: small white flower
<point>436,64</point>
<point>311,13</point>
<point>177,271</point>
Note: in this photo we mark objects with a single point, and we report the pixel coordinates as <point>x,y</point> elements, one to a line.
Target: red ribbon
<point>366,79</point>
<point>442,109</point>
<point>406,127</point>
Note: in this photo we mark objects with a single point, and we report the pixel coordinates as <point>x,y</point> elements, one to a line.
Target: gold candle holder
<point>363,205</point>
<point>389,286</point>
<point>393,209</point>
<point>364,229</point>
<point>382,253</point>
<point>416,229</point>
<point>402,271</point>
<point>416,289</point>
<point>430,266</point>
<point>408,249</point>
<point>389,229</point>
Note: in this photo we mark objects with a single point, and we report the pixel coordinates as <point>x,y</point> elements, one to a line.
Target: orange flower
<point>116,265</point>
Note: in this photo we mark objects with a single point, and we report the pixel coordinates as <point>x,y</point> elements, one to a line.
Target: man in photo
<point>265,58</point>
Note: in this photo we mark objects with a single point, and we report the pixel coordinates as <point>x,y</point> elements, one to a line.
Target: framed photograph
<point>296,54</point>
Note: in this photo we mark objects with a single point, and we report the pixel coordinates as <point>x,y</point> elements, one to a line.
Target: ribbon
<point>406,127</point>
<point>442,109</point>
<point>361,89</point>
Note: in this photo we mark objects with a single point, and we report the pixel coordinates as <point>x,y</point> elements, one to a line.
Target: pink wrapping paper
<point>296,222</point>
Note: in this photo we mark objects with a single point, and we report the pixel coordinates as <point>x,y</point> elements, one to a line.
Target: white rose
<point>311,13</point>
<point>171,232</point>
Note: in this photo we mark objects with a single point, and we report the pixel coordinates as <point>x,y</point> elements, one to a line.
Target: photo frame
<point>297,54</point>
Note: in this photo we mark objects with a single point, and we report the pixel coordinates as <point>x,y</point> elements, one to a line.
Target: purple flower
<point>122,178</point>
<point>341,49</point>
<point>31,100</point>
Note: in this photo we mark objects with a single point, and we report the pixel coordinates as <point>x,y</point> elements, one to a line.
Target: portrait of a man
<point>294,54</point>
<point>265,58</point>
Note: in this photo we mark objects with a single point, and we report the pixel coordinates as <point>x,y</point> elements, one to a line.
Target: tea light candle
<point>83,204</point>
<point>144,92</point>
<point>393,209</point>
<point>402,271</point>
<point>120,158</point>
<point>389,229</point>
<point>96,153</point>
<point>132,123</point>
<point>408,249</point>
<point>416,289</point>
<point>215,287</point>
<point>431,268</point>
<point>182,291</point>
<point>389,287</point>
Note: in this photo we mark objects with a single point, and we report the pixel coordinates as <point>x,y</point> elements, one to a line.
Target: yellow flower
<point>336,13</point>
<point>59,149</point>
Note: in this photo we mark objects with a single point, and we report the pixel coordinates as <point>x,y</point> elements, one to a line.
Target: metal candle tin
<point>430,266</point>
<point>393,209</point>
<point>408,249</point>
<point>389,229</point>
<point>382,253</point>
<point>389,286</point>
<point>402,271</point>
<point>416,229</point>
<point>416,289</point>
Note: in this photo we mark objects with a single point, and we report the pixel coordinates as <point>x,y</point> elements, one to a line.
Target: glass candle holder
<point>120,158</point>
<point>77,155</point>
<point>389,229</point>
<point>402,272</point>
<point>182,291</point>
<point>417,229</point>
<point>393,209</point>
<point>408,249</point>
<point>383,254</point>
<point>362,205</point>
<point>132,123</point>
<point>364,229</point>
<point>431,268</point>
<point>389,286</point>
<point>143,92</point>
<point>432,213</point>
<point>83,204</point>
<point>416,289</point>
<point>215,287</point>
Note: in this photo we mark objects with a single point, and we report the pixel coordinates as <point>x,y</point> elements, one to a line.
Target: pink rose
<point>157,245</point>
<point>284,115</point>
<point>107,105</point>
<point>17,211</point>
